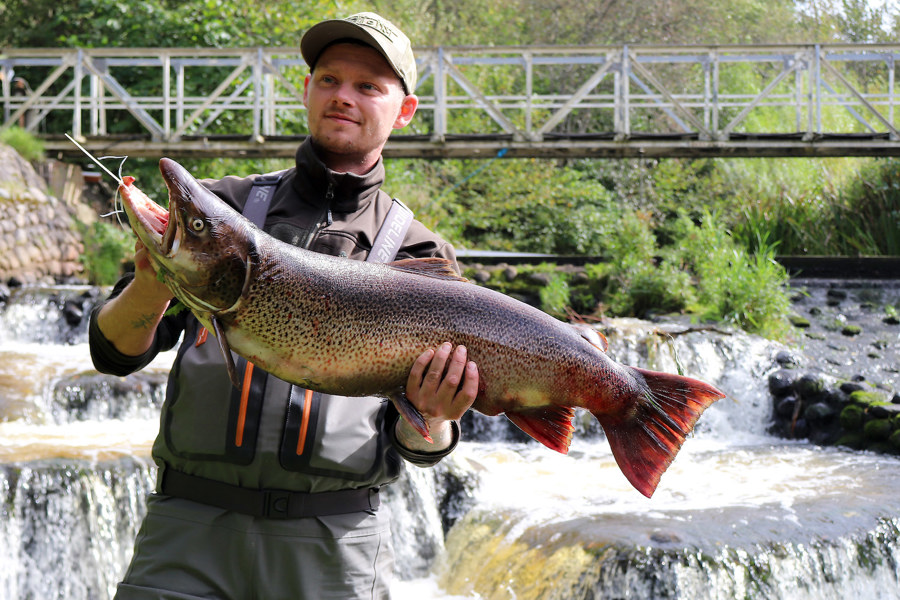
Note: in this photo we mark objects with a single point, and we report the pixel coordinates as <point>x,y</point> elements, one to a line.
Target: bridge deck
<point>516,101</point>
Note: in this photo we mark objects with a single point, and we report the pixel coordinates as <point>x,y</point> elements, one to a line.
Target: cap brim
<point>320,35</point>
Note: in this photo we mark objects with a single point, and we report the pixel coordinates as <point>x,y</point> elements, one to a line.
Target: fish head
<point>201,248</point>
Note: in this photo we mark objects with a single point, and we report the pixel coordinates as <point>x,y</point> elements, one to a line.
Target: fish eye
<point>197,224</point>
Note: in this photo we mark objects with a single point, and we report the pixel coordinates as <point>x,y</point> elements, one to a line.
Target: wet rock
<point>854,441</point>
<point>799,322</point>
<point>851,330</point>
<point>894,440</point>
<point>510,273</point>
<point>810,385</point>
<point>884,411</point>
<point>73,312</point>
<point>836,398</point>
<point>786,406</point>
<point>781,383</point>
<point>818,412</point>
<point>848,387</point>
<point>852,417</point>
<point>481,276</point>
<point>877,429</point>
<point>866,398</point>
<point>542,279</point>
<point>787,359</point>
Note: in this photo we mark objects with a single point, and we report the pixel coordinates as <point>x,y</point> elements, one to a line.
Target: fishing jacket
<point>280,436</point>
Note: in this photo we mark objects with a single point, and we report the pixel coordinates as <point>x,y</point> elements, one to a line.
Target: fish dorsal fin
<point>594,337</point>
<point>439,268</point>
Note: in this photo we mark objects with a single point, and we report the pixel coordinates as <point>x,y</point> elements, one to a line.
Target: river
<point>740,514</point>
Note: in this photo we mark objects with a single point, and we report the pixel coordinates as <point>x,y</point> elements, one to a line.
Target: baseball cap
<point>372,29</point>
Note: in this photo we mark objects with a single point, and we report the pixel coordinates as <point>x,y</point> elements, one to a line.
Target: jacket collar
<point>342,192</point>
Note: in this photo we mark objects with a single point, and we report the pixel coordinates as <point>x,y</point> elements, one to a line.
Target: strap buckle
<point>277,504</point>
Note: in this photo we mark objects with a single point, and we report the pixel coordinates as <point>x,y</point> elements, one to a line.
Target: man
<point>272,492</point>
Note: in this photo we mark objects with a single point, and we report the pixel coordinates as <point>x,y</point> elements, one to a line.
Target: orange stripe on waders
<point>304,422</point>
<point>242,411</point>
<point>201,337</point>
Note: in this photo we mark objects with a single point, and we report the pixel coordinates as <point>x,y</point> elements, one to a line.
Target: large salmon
<point>355,328</point>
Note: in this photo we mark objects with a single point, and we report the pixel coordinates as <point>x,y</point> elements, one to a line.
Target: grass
<point>29,147</point>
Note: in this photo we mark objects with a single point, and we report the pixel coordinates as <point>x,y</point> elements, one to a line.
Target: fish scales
<point>355,328</point>
<point>398,315</point>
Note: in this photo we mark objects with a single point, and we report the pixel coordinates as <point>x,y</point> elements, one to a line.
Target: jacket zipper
<point>324,219</point>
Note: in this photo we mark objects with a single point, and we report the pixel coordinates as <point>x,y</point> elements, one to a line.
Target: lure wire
<point>117,210</point>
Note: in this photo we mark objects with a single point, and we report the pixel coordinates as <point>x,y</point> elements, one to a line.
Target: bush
<point>29,147</point>
<point>106,246</point>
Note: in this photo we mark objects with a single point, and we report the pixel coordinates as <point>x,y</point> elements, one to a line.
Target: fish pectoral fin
<point>550,425</point>
<point>411,414</point>
<point>226,353</point>
<point>439,268</point>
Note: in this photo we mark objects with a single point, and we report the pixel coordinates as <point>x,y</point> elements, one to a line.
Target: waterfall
<point>739,514</point>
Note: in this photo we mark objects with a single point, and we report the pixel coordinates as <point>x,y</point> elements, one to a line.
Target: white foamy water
<point>732,486</point>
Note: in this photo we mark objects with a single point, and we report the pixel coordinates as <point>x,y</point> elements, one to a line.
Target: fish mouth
<point>157,227</point>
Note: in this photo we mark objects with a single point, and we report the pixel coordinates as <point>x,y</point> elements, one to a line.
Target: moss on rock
<point>852,417</point>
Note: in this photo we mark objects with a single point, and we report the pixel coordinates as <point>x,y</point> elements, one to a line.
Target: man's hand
<point>129,320</point>
<point>442,385</point>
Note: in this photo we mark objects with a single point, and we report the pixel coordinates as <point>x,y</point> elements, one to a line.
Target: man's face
<point>354,100</point>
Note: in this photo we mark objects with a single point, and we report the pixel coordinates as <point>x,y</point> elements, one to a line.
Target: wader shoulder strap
<point>387,242</point>
<point>260,197</point>
<point>390,235</point>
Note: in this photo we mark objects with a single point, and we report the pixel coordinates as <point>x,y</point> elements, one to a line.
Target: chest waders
<point>302,410</point>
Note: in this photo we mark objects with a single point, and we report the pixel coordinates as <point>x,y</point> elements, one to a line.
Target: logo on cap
<point>372,23</point>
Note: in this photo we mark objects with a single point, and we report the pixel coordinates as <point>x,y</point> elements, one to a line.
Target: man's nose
<point>343,94</point>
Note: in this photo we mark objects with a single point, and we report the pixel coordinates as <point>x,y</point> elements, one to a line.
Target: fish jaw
<point>200,247</point>
<point>148,219</point>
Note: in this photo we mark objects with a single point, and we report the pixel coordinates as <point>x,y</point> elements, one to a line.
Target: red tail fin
<point>646,441</point>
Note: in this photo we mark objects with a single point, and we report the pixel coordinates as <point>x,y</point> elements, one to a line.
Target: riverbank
<point>840,384</point>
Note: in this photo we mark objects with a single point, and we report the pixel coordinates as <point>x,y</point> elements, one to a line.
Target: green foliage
<point>555,295</point>
<point>159,23</point>
<point>695,236</point>
<point>29,147</point>
<point>819,211</point>
<point>510,205</point>
<point>105,247</point>
<point>735,286</point>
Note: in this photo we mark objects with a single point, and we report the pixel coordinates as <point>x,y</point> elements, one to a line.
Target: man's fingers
<point>436,371</point>
<point>455,370</point>
<point>417,372</point>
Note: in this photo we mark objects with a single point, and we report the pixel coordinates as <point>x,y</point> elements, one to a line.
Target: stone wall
<point>39,237</point>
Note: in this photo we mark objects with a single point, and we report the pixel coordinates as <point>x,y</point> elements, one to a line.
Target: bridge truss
<point>515,101</point>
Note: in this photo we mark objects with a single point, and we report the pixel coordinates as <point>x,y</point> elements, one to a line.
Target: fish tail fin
<point>550,425</point>
<point>646,440</point>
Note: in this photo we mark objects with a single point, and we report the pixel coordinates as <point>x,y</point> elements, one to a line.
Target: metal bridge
<point>515,101</point>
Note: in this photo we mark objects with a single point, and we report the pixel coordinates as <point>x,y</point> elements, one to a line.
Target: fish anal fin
<point>645,442</point>
<point>550,425</point>
<point>439,268</point>
<point>411,414</point>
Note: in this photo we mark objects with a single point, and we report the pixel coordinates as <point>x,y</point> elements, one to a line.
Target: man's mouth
<point>340,117</point>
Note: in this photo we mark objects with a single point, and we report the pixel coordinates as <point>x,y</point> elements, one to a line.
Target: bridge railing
<point>525,96</point>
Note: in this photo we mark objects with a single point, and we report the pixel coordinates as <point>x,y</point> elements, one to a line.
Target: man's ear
<point>407,110</point>
<point>306,89</point>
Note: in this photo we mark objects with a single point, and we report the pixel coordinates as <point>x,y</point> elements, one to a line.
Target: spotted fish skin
<point>355,328</point>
